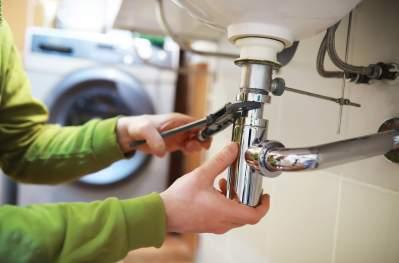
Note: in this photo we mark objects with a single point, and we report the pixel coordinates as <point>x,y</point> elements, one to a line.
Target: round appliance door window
<point>100,93</point>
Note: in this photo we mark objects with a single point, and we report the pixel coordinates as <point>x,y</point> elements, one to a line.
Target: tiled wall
<point>348,213</point>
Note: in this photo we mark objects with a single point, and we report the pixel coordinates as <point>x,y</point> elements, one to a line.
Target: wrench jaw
<point>226,116</point>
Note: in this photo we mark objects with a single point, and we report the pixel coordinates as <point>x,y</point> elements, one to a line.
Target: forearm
<point>79,232</point>
<point>33,151</point>
<point>58,154</point>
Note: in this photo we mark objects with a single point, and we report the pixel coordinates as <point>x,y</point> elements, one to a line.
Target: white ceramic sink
<point>140,16</point>
<point>285,20</point>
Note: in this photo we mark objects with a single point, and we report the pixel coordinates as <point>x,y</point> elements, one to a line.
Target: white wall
<point>348,213</point>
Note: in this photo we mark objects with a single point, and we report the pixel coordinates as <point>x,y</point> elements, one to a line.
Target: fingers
<point>264,205</point>
<point>148,127</point>
<point>217,164</point>
<point>207,144</point>
<point>192,146</point>
<point>223,186</point>
<point>250,215</point>
<point>185,141</point>
<point>155,142</point>
<point>150,134</point>
<point>243,215</point>
<point>172,120</point>
<point>226,227</point>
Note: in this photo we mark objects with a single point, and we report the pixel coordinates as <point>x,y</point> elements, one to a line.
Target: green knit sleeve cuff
<point>146,221</point>
<point>104,142</point>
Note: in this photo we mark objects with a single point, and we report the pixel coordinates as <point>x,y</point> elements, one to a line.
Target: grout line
<point>371,186</point>
<point>337,216</point>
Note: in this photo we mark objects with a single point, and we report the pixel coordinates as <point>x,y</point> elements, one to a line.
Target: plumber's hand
<point>193,205</point>
<point>148,127</point>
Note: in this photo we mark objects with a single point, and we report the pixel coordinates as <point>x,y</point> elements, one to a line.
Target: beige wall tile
<point>298,228</point>
<point>368,225</point>
<point>374,38</point>
<point>213,248</point>
<point>302,223</point>
<point>302,217</point>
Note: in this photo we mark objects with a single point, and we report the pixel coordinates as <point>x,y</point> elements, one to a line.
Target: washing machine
<point>82,76</point>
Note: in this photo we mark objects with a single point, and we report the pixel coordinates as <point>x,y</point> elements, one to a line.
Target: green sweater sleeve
<point>35,152</point>
<point>81,232</point>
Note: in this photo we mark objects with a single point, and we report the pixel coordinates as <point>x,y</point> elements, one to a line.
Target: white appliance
<point>76,74</point>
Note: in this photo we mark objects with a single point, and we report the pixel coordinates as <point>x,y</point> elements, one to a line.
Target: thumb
<point>217,164</point>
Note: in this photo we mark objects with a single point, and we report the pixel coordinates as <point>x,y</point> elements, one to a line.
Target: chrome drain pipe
<point>269,158</point>
<point>244,183</point>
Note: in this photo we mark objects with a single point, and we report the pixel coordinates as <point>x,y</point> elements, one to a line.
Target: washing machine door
<point>102,92</point>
